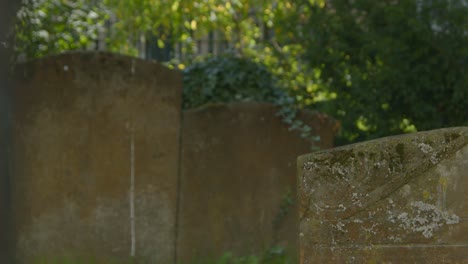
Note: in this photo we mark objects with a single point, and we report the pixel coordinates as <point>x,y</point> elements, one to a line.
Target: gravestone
<point>95,159</point>
<point>401,199</point>
<point>237,174</point>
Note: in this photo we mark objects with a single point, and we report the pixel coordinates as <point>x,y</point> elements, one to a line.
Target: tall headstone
<point>238,179</point>
<point>95,158</point>
<point>401,199</point>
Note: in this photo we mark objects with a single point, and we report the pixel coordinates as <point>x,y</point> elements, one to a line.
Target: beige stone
<point>237,165</point>
<point>95,158</point>
<point>401,199</point>
<point>87,125</point>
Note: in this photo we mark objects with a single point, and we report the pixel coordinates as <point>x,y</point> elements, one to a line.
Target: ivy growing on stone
<point>228,78</point>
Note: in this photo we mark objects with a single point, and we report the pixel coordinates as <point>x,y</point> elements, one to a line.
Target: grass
<point>275,255</point>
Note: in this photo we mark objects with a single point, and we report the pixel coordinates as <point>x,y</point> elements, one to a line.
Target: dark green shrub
<point>395,66</point>
<point>224,79</point>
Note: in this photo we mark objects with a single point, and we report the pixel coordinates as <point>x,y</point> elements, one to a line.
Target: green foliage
<point>52,26</point>
<point>278,255</point>
<point>183,21</point>
<point>228,78</point>
<point>262,31</point>
<point>395,66</point>
<point>275,255</point>
<point>286,204</point>
<point>224,79</point>
<point>228,258</point>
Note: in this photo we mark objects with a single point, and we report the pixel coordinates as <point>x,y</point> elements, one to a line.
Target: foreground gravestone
<point>401,199</point>
<point>95,157</point>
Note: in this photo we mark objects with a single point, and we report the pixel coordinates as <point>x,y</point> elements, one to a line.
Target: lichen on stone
<point>424,218</point>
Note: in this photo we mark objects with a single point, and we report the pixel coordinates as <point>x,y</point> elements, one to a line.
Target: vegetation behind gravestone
<point>228,78</point>
<point>50,27</point>
<point>396,66</point>
<point>380,67</point>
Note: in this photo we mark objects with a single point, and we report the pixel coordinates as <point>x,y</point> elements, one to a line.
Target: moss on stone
<point>451,136</point>
<point>400,149</point>
<point>343,157</point>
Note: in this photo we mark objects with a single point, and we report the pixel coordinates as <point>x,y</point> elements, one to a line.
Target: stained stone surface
<point>95,159</point>
<point>237,167</point>
<point>401,199</point>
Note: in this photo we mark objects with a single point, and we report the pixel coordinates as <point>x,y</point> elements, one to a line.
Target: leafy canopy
<point>395,66</point>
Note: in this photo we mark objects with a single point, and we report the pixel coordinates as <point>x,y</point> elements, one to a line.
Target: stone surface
<point>237,165</point>
<point>95,158</point>
<point>401,199</point>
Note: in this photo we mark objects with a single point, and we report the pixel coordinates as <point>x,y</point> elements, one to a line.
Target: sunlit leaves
<point>266,31</point>
<point>48,27</point>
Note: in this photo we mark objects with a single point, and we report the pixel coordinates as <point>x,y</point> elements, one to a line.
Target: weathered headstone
<point>401,199</point>
<point>237,169</point>
<point>96,149</point>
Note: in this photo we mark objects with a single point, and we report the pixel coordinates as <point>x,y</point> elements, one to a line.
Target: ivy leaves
<point>228,78</point>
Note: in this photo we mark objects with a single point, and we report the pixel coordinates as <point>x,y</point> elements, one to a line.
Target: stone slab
<point>397,191</point>
<point>95,158</point>
<point>237,168</point>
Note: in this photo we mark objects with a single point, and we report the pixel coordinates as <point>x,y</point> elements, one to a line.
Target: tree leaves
<point>49,27</point>
<point>398,54</point>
